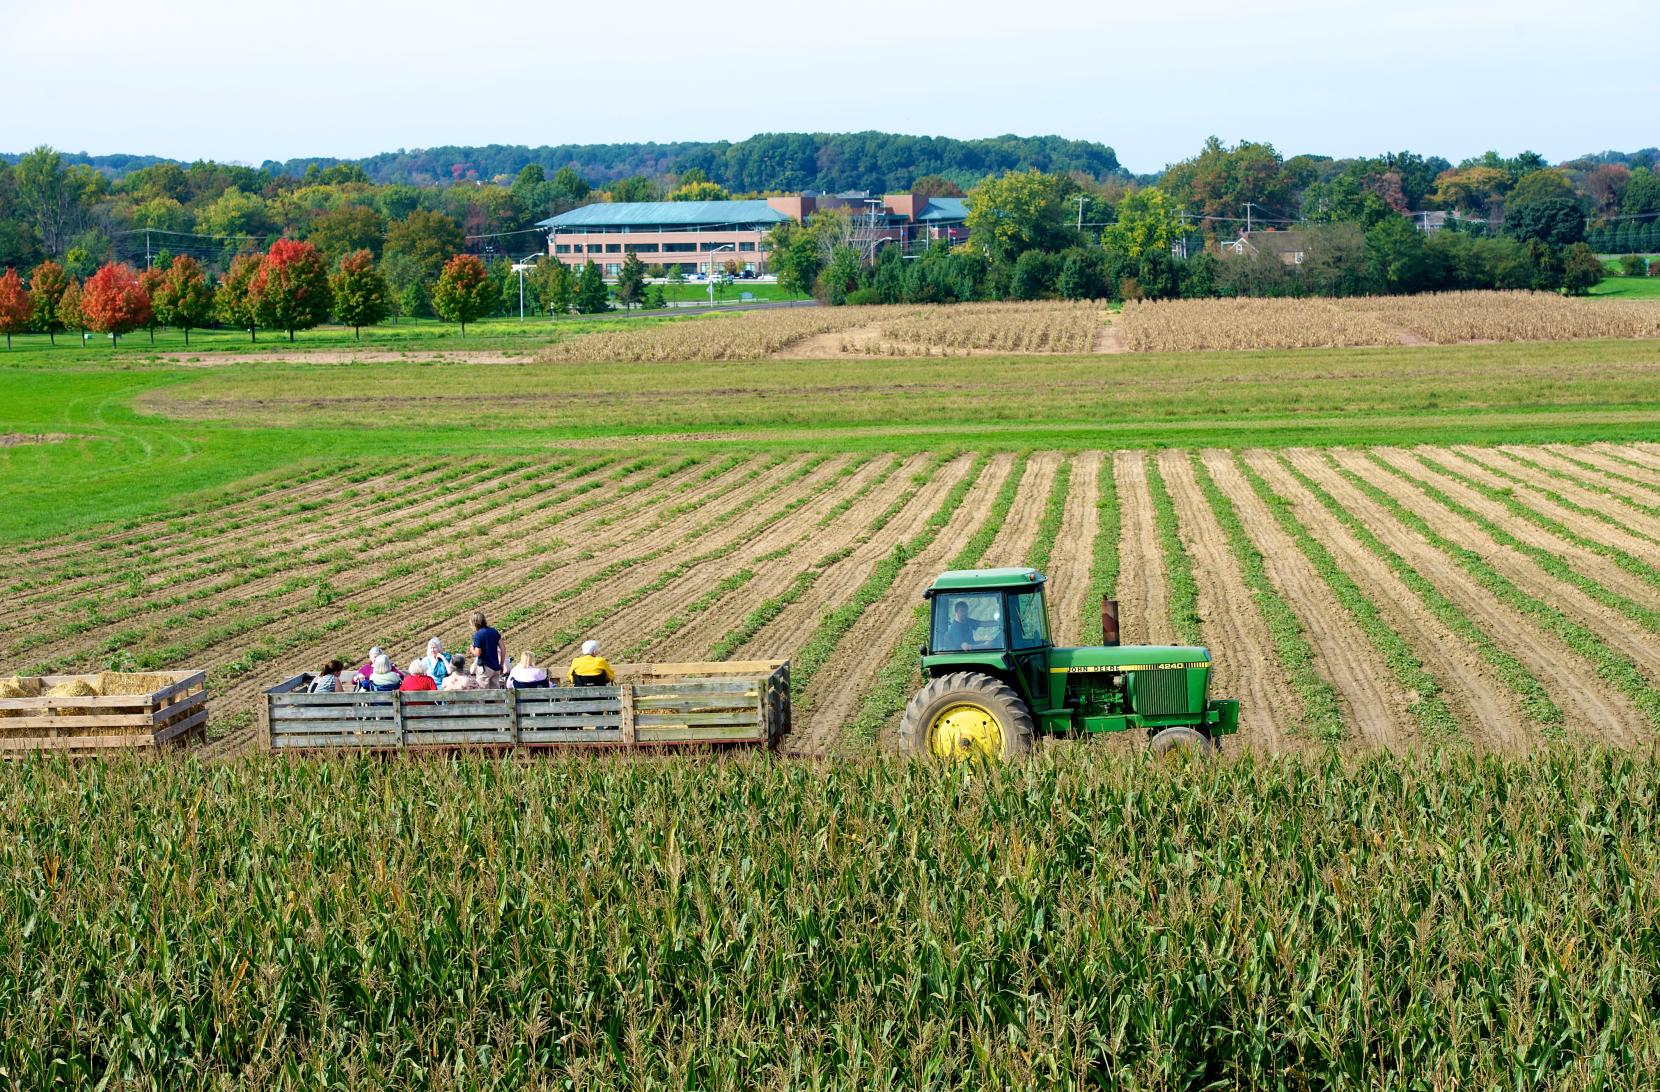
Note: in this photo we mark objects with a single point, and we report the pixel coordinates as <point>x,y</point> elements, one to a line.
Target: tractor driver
<point>959,632</point>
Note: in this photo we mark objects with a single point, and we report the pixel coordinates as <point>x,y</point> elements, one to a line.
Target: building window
<point>595,248</point>
<point>562,248</point>
<point>679,248</point>
<point>612,269</point>
<point>613,248</point>
<point>641,248</point>
<point>747,246</point>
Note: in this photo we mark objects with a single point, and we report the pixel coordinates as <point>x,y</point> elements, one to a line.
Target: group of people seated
<point>484,667</point>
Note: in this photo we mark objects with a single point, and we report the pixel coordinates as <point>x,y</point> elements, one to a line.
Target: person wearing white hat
<point>590,668</point>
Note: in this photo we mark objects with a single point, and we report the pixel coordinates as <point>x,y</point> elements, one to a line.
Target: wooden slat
<point>683,733</point>
<point>725,667</point>
<point>581,736</point>
<point>134,741</point>
<point>343,713</point>
<point>589,721</point>
<point>746,717</point>
<point>562,708</point>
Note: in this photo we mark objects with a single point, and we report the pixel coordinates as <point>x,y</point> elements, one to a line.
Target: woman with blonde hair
<point>526,675</point>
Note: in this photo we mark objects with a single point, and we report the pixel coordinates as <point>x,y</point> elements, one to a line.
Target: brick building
<point>693,235</point>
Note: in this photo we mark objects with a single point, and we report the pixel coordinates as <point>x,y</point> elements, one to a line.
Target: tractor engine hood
<point>1127,658</point>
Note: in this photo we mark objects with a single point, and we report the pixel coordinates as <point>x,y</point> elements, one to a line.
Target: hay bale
<point>28,686</point>
<point>112,683</point>
<point>74,688</point>
<point>9,688</point>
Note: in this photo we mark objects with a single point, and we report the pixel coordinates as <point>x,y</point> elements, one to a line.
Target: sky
<point>250,80</point>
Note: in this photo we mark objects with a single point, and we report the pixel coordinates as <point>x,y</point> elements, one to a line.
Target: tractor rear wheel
<point>1174,745</point>
<point>967,715</point>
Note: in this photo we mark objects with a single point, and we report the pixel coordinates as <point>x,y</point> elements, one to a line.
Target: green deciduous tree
<point>426,239</point>
<point>1148,220</point>
<point>794,257</point>
<point>465,291</point>
<point>236,304</point>
<point>554,286</point>
<point>183,297</point>
<point>342,230</point>
<point>1582,270</point>
<point>1556,221</point>
<point>47,284</point>
<point>1019,211</point>
<point>361,297</point>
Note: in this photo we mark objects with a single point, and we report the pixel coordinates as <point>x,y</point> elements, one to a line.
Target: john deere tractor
<point>995,682</point>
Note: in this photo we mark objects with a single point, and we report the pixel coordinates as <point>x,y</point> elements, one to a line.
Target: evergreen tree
<point>631,281</point>
<point>592,297</point>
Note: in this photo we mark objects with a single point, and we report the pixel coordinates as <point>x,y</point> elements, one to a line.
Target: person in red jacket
<point>418,677</point>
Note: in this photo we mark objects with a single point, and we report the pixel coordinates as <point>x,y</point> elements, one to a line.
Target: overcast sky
<point>250,80</point>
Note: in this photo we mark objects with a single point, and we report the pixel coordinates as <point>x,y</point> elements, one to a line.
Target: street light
<point>520,267</point>
<point>712,253</point>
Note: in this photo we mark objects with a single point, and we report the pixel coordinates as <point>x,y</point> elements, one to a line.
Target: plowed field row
<point>1492,597</point>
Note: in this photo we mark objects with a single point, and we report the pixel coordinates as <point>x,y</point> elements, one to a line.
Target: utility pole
<point>147,261</point>
<point>1080,214</point>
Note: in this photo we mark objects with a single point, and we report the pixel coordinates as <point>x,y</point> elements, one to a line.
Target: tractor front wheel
<point>967,715</point>
<point>1175,745</point>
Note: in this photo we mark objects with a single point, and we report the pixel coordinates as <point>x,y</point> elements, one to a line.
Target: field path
<point>1488,711</point>
<point>1617,630</point>
<point>1070,564</point>
<point>1143,595</point>
<point>1376,708</point>
<point>1245,665</point>
<point>834,695</point>
<point>1589,706</point>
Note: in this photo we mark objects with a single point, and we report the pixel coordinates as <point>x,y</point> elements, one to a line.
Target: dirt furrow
<point>1589,707</point>
<point>1245,665</point>
<point>1014,539</point>
<point>1143,595</point>
<point>774,576</point>
<point>1647,455</point>
<point>627,625</point>
<point>1640,481</point>
<point>1625,515</point>
<point>797,622</point>
<point>1376,706</point>
<point>1583,561</point>
<point>1618,631</point>
<point>1484,706</point>
<point>1626,528</point>
<point>840,685</point>
<point>1074,555</point>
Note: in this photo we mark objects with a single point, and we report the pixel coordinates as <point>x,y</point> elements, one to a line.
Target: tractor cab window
<point>1028,622</point>
<point>967,621</point>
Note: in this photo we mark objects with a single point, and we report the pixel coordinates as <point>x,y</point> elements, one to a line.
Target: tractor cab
<point>994,680</point>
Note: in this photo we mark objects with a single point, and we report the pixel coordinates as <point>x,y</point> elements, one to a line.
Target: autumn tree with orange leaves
<point>114,301</point>
<point>14,306</point>
<point>291,290</point>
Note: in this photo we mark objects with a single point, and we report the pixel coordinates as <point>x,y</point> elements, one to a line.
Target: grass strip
<point>897,678</point>
<point>1428,706</point>
<point>1588,484</point>
<point>1178,567</point>
<point>1545,559</point>
<point>1104,557</point>
<point>1535,702</point>
<point>1613,668</point>
<point>1322,710</point>
<point>1054,512</point>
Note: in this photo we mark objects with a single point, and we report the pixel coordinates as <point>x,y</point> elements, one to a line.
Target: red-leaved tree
<point>114,302</point>
<point>291,289</point>
<point>14,306</point>
<point>464,291</point>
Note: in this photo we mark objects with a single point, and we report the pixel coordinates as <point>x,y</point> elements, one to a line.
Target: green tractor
<point>995,682</point>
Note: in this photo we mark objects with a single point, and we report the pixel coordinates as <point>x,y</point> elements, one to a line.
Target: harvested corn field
<point>1495,597</point>
<point>1445,318</point>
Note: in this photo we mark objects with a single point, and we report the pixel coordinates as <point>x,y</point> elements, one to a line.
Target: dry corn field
<point>1501,597</point>
<point>1446,318</point>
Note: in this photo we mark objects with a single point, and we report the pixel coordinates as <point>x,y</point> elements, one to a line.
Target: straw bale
<point>112,683</point>
<point>28,686</point>
<point>10,689</point>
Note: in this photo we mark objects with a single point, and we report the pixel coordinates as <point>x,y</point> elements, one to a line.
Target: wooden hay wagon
<point>103,714</point>
<point>742,702</point>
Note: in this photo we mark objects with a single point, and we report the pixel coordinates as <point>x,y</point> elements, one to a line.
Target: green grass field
<point>146,426</point>
<point>1628,288</point>
<point>699,293</point>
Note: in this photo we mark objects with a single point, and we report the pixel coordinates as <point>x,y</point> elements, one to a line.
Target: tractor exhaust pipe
<point>1109,621</point>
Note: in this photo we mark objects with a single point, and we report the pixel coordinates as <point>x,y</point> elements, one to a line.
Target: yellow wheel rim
<point>966,730</point>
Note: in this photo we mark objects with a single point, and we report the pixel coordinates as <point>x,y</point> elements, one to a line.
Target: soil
<point>1590,707</point>
<point>1621,503</point>
<point>1376,707</point>
<point>836,692</point>
<point>1013,544</point>
<point>1626,527</point>
<point>1618,631</point>
<point>1638,482</point>
<point>1110,339</point>
<point>1143,596</point>
<point>1072,562</point>
<point>1245,666</point>
<point>18,439</point>
<point>1646,454</point>
<point>1488,711</point>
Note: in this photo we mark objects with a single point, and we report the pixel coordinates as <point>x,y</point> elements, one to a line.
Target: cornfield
<point>1080,921</point>
<point>746,335</point>
<point>1068,327</point>
<point>1445,318</point>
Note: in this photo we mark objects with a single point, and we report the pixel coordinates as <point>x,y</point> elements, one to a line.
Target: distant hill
<point>769,161</point>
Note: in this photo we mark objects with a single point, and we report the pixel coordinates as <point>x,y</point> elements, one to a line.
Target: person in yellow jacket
<point>590,668</point>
